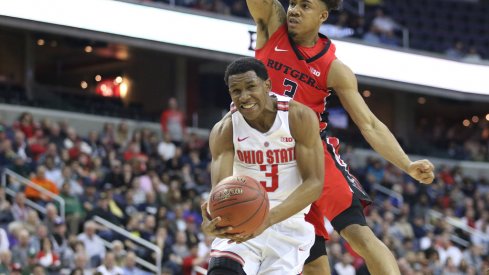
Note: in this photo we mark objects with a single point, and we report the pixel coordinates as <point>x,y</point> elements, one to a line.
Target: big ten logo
<point>252,45</point>
<point>286,139</point>
<point>314,71</point>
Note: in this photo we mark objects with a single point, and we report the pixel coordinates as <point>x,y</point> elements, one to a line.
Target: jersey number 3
<point>273,174</point>
<point>290,88</point>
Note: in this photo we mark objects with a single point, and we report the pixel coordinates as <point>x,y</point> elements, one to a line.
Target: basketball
<point>241,202</point>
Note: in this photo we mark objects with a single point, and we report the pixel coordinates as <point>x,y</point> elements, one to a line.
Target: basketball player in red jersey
<point>302,64</point>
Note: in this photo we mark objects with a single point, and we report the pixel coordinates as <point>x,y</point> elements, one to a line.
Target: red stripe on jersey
<point>227,254</point>
<point>282,105</point>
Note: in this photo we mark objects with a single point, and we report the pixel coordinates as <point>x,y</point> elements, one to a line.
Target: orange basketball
<point>241,202</point>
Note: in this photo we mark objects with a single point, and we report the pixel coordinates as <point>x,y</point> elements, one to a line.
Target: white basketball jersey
<point>267,157</point>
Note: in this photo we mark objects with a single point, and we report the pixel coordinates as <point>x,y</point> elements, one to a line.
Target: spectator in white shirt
<point>166,149</point>
<point>344,267</point>
<point>109,266</point>
<point>94,245</point>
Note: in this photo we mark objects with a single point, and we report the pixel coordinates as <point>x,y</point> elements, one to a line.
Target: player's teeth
<point>247,106</point>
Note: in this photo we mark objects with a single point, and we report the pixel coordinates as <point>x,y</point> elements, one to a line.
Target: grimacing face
<point>305,16</point>
<point>249,93</point>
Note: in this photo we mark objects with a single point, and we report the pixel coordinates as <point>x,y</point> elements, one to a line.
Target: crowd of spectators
<point>375,26</point>
<point>438,137</point>
<point>153,188</point>
<point>133,179</point>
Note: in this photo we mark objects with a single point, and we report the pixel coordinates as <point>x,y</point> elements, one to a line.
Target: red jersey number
<point>273,174</point>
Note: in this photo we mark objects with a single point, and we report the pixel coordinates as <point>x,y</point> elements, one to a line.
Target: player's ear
<point>324,15</point>
<point>268,84</point>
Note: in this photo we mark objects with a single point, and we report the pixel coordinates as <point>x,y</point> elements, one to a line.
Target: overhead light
<point>118,80</point>
<point>98,78</point>
<point>421,100</point>
<point>475,119</point>
<point>41,42</point>
<point>123,88</point>
<point>466,122</point>
<point>367,93</point>
<point>487,117</point>
<point>84,84</point>
<point>88,49</point>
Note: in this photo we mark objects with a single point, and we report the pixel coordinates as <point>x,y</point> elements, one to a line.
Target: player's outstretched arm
<point>344,82</point>
<point>268,15</point>
<point>309,154</point>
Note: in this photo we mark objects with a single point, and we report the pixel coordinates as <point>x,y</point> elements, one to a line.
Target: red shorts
<point>339,191</point>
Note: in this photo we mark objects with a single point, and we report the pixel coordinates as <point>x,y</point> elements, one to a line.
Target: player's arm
<point>304,127</point>
<point>222,152</point>
<point>268,15</point>
<point>344,82</point>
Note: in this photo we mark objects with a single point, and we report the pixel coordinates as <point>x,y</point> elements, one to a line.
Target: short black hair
<point>333,4</point>
<point>243,65</point>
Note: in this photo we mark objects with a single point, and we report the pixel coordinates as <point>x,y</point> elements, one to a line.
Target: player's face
<point>248,93</point>
<point>305,16</point>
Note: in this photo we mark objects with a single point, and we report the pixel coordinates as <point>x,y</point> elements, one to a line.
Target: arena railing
<point>9,176</point>
<point>390,194</point>
<point>156,267</point>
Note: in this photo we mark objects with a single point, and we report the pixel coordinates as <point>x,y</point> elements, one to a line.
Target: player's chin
<point>292,31</point>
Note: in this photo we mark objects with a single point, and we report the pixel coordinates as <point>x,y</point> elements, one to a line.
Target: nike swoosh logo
<point>277,49</point>
<point>241,139</point>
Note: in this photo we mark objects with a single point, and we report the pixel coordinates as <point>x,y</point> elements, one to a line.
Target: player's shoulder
<point>339,74</point>
<point>300,114</point>
<point>222,130</point>
<point>223,127</point>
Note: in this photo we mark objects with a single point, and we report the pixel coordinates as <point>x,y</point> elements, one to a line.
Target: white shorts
<point>281,249</point>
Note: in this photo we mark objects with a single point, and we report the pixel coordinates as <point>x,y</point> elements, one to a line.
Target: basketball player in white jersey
<point>275,140</point>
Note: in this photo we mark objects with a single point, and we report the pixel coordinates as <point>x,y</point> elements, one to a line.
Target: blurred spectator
<point>472,55</point>
<point>19,208</point>
<point>94,245</point>
<point>344,267</point>
<point>81,262</point>
<point>340,29</point>
<point>73,208</point>
<point>166,148</point>
<point>22,249</point>
<point>109,266</point>
<point>4,241</point>
<point>173,122</point>
<point>5,262</point>
<point>456,51</point>
<point>41,181</point>
<point>48,258</point>
<point>130,267</point>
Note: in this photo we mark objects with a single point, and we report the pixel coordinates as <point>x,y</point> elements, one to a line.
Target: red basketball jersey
<point>298,72</point>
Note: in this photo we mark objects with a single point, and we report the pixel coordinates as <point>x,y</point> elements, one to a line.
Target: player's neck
<point>307,40</point>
